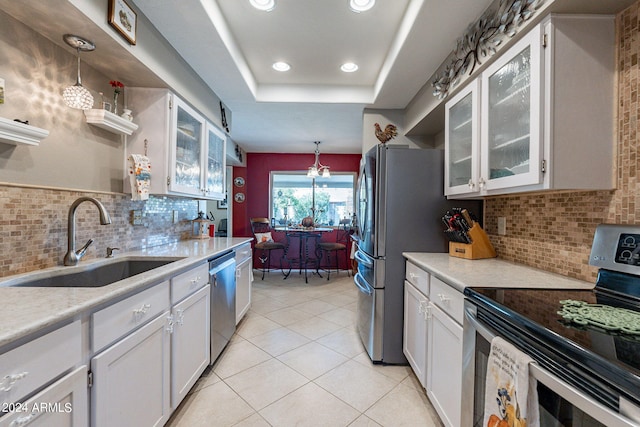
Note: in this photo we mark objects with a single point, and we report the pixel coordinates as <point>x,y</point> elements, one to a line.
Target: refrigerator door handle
<point>365,288</point>
<point>362,259</point>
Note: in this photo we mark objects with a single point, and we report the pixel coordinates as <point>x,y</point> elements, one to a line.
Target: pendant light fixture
<point>317,168</point>
<point>77,96</point>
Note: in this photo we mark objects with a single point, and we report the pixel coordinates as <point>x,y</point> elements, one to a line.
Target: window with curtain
<point>294,195</point>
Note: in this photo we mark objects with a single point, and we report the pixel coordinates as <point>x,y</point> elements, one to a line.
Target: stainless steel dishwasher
<point>222,278</point>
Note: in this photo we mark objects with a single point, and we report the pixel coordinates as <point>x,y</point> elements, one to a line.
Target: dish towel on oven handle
<point>510,393</point>
<point>139,176</point>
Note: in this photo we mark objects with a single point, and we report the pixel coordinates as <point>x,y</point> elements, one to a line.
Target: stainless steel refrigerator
<point>400,204</point>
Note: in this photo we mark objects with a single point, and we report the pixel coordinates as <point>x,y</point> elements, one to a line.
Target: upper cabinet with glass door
<point>215,160</point>
<point>546,114</point>
<point>186,152</point>
<point>462,141</point>
<point>511,123</point>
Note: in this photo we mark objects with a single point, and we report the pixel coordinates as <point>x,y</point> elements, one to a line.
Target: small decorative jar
<point>126,114</point>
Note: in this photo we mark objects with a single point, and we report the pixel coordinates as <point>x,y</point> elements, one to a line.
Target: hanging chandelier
<point>77,96</point>
<point>318,169</point>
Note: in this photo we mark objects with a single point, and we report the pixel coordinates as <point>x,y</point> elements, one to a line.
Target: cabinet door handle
<point>421,307</point>
<point>195,280</point>
<point>140,312</point>
<point>170,324</point>
<point>427,312</point>
<point>9,380</point>
<point>472,184</point>
<point>180,314</point>
<point>481,183</point>
<point>444,298</point>
<point>413,276</point>
<point>22,421</point>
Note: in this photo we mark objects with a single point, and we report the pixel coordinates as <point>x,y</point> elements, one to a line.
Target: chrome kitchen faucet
<point>72,256</point>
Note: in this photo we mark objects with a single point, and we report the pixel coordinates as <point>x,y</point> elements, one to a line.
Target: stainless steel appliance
<point>222,278</point>
<point>587,375</point>
<point>400,204</point>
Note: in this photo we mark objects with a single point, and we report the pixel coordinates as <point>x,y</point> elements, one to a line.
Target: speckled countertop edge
<point>28,310</point>
<point>490,273</point>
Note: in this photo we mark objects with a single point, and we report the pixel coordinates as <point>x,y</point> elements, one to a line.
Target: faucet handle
<point>110,251</point>
<point>80,252</point>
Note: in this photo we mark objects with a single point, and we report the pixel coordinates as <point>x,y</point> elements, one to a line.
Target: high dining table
<point>303,235</point>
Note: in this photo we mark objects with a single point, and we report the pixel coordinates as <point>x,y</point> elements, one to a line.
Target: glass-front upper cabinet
<point>511,120</point>
<point>215,161</point>
<point>462,141</point>
<point>186,150</point>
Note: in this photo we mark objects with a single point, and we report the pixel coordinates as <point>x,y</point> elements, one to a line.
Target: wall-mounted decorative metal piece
<point>223,118</point>
<point>481,40</point>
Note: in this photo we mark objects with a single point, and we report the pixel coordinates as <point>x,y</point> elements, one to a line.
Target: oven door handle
<point>479,327</point>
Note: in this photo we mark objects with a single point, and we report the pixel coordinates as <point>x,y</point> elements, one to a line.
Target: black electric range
<point>603,363</point>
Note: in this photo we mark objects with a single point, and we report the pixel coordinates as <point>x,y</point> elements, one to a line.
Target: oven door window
<point>555,411</point>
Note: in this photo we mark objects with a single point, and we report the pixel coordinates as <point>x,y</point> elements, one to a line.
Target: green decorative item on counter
<point>600,315</point>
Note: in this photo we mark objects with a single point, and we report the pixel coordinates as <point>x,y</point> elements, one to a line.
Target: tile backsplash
<point>33,225</point>
<point>554,231</point>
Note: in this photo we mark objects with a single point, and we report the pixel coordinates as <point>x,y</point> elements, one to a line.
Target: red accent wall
<point>256,177</point>
<point>256,188</point>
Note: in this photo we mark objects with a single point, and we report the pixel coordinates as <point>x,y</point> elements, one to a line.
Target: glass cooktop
<point>530,317</point>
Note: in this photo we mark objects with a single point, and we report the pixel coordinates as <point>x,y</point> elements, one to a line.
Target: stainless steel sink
<point>91,276</point>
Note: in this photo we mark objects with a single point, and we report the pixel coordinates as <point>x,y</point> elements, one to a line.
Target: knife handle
<point>467,217</point>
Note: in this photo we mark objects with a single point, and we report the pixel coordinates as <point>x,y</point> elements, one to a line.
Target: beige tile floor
<point>296,360</point>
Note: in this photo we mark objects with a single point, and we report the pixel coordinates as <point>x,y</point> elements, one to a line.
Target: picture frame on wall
<point>124,19</point>
<point>222,204</point>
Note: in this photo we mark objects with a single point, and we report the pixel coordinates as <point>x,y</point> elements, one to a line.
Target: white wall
<point>383,117</point>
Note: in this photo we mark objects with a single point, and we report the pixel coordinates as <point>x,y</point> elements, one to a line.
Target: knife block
<point>479,248</point>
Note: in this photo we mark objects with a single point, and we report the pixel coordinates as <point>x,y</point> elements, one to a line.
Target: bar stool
<point>342,235</point>
<point>261,229</point>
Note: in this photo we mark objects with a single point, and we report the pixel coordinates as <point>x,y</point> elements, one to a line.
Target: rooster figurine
<point>389,132</point>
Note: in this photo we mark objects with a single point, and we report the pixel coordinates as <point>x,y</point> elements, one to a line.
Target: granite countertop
<point>490,273</point>
<point>28,310</point>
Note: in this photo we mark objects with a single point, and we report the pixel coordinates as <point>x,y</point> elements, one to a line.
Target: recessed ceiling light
<point>349,67</point>
<point>361,5</point>
<point>281,66</point>
<point>266,5</point>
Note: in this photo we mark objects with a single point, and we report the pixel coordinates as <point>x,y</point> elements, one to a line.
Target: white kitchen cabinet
<point>432,339</point>
<point>214,179</point>
<point>131,378</point>
<point>190,338</point>
<point>244,273</point>
<point>31,366</point>
<point>186,152</point>
<point>546,114</point>
<point>62,404</point>
<point>416,320</point>
<point>415,332</point>
<point>462,141</point>
<point>444,366</point>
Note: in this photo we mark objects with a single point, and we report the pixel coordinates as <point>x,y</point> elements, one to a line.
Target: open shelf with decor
<point>16,133</point>
<point>105,119</point>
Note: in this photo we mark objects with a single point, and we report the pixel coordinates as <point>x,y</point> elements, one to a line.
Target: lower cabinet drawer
<point>188,282</point>
<point>417,277</point>
<point>450,300</point>
<point>243,253</point>
<point>118,319</point>
<point>32,365</point>
<point>63,403</point>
